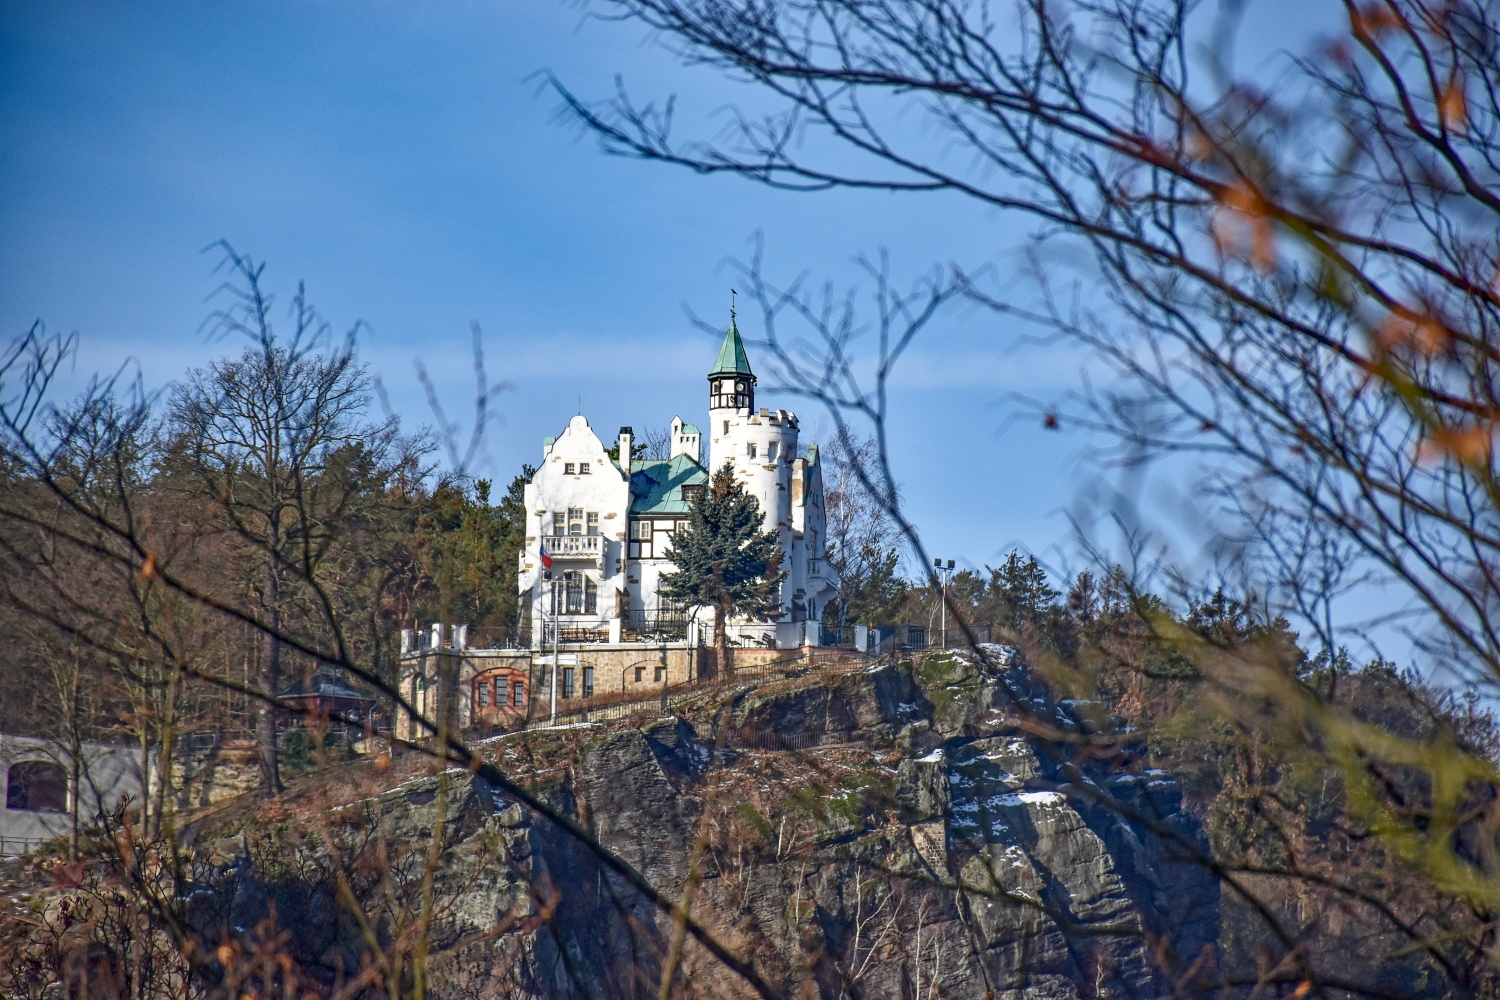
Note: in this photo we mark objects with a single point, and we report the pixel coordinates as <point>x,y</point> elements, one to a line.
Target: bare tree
<point>168,551</point>
<point>864,542</point>
<point>263,435</point>
<point>1293,285</point>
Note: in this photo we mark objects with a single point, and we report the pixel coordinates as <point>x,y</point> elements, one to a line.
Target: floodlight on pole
<point>943,573</point>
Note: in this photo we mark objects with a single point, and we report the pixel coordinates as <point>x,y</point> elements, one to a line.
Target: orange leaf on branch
<point>1423,333</point>
<point>1470,445</point>
<point>1453,107</point>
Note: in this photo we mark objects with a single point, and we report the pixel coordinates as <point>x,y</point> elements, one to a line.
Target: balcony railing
<point>574,546</point>
<point>575,633</point>
<point>650,626</point>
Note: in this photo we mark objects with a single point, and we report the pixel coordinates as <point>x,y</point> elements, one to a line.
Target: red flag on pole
<point>546,559</point>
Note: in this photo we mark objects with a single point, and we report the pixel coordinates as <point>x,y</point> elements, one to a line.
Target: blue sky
<point>405,162</point>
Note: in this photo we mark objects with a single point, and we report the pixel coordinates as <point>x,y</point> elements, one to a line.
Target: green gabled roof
<point>732,359</point>
<point>691,429</point>
<point>656,487</point>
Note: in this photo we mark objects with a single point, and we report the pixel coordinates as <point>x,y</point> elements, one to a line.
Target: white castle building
<point>606,523</point>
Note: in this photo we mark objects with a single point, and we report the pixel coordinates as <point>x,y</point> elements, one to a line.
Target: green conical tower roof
<point>732,360</point>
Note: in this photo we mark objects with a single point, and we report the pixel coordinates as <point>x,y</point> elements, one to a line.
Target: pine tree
<point>724,561</point>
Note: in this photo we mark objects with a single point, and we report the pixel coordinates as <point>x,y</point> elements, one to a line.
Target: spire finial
<point>732,294</point>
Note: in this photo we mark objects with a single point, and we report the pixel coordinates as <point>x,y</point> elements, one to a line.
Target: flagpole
<point>556,641</point>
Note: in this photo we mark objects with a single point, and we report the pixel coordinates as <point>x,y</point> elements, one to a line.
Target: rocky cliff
<point>937,828</point>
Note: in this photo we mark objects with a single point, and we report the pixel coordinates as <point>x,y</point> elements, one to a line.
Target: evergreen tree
<point>724,561</point>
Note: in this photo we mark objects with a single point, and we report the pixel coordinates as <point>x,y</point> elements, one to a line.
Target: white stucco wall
<point>110,772</point>
<point>604,490</point>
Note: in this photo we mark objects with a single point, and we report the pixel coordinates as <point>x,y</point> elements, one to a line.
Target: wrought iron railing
<point>575,634</point>
<point>649,626</point>
<point>500,637</point>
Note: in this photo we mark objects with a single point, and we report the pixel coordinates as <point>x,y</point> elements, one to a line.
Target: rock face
<point>928,829</point>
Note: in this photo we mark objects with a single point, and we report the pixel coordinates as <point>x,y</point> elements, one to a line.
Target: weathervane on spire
<point>732,294</point>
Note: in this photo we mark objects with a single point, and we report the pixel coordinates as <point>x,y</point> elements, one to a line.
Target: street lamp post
<point>943,573</point>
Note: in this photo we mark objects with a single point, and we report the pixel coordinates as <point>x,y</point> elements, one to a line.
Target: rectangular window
<point>590,597</point>
<point>750,450</point>
<point>569,469</point>
<point>592,523</point>
<point>692,494</point>
<point>583,468</point>
<point>641,531</point>
<point>726,427</point>
<point>575,520</point>
<point>771,452</point>
<point>483,691</point>
<point>518,694</point>
<point>659,673</point>
<point>559,522</point>
<point>640,674</point>
<point>588,682</point>
<point>567,682</point>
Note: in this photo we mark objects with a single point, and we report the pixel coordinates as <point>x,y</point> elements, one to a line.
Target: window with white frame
<point>591,523</point>
<point>575,520</point>
<point>641,540</point>
<point>583,468</point>
<point>570,469</point>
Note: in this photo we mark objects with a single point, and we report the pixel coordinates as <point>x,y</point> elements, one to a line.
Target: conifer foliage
<point>724,561</point>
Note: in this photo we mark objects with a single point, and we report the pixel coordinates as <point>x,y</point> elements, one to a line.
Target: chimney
<point>627,437</point>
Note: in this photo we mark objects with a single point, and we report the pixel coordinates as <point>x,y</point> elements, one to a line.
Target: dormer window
<point>583,468</point>
<point>570,469</point>
<point>692,494</point>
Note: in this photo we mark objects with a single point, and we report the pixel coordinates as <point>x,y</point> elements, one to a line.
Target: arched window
<point>37,786</point>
